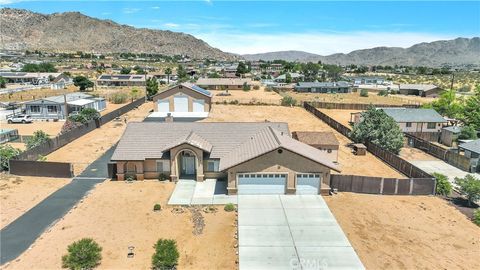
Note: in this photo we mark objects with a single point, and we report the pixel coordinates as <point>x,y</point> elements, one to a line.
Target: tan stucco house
<point>255,158</point>
<point>322,140</point>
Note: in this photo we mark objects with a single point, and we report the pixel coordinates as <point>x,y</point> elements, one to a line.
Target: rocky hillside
<point>73,31</point>
<point>457,52</point>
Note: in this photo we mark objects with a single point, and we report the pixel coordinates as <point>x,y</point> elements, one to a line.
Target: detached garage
<point>180,103</point>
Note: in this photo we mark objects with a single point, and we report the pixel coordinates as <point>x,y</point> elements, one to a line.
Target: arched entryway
<point>187,164</point>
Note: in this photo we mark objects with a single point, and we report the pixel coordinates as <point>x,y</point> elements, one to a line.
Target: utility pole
<point>453,78</point>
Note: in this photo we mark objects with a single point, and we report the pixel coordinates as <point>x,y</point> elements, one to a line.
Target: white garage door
<point>260,183</point>
<point>163,105</point>
<point>180,104</point>
<point>308,183</point>
<point>199,105</point>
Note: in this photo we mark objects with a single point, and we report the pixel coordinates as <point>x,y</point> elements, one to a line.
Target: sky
<point>322,27</point>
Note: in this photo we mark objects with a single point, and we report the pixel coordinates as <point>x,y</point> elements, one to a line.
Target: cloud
<point>130,10</point>
<point>156,7</point>
<point>323,43</point>
<point>171,25</point>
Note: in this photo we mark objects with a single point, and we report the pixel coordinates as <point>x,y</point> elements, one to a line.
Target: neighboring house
<point>34,78</point>
<point>323,87</point>
<point>323,141</point>
<point>223,83</point>
<point>59,107</point>
<point>411,120</point>
<point>422,90</point>
<point>230,71</point>
<point>184,102</point>
<point>450,135</point>
<point>7,135</point>
<point>61,82</point>
<point>121,80</point>
<point>162,77</point>
<point>472,151</point>
<point>255,158</point>
<point>296,77</point>
<point>368,81</point>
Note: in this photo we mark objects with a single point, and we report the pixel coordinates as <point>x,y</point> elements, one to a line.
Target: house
<point>163,77</point>
<point>449,135</point>
<point>184,102</point>
<point>61,82</point>
<point>296,77</point>
<point>323,87</point>
<point>59,107</point>
<point>255,158</point>
<point>368,81</point>
<point>422,90</point>
<point>223,83</point>
<point>34,78</point>
<point>323,141</point>
<point>472,151</point>
<point>121,80</point>
<point>7,135</point>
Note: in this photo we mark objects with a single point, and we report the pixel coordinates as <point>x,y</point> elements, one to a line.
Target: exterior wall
<point>275,162</point>
<point>447,138</point>
<point>419,127</point>
<point>174,172</point>
<point>192,95</point>
<point>333,149</point>
<point>44,114</point>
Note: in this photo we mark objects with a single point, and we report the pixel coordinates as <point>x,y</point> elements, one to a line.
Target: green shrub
<point>383,93</point>
<point>234,102</point>
<point>364,93</point>
<point>119,98</point>
<point>82,254</point>
<point>229,207</point>
<point>39,137</point>
<point>157,207</point>
<point>476,217</point>
<point>443,187</point>
<point>166,254</point>
<point>163,176</point>
<point>288,101</point>
<point>470,187</point>
<point>256,87</point>
<point>7,152</point>
<point>246,87</point>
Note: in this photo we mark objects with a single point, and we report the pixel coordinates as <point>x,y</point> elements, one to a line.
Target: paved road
<point>21,233</point>
<point>291,232</point>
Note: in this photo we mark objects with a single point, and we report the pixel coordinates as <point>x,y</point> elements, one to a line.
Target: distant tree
<point>7,152</point>
<point>39,137</point>
<point>241,69</point>
<point>379,128</point>
<point>42,67</point>
<point>470,187</point>
<point>447,104</point>
<point>310,70</point>
<point>82,83</point>
<point>246,87</point>
<point>168,72</point>
<point>152,87</point>
<point>213,75</point>
<point>288,101</point>
<point>468,133</point>
<point>333,71</point>
<point>3,82</point>
<point>288,78</point>
<point>182,73</point>
<point>125,70</point>
<point>82,254</point>
<point>471,110</point>
<point>139,70</point>
<point>288,66</point>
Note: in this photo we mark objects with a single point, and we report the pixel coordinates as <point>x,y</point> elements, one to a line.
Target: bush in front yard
<point>157,207</point>
<point>476,217</point>
<point>82,254</point>
<point>229,207</point>
<point>443,185</point>
<point>364,93</point>
<point>166,254</point>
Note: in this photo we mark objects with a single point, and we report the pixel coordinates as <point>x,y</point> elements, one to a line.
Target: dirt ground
<point>123,215</point>
<point>51,128</point>
<point>247,97</point>
<point>299,119</point>
<point>342,116</point>
<point>91,146</point>
<point>410,153</point>
<point>407,232</point>
<point>18,194</point>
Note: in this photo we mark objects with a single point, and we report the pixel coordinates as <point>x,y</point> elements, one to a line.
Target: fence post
<point>396,186</point>
<point>381,185</point>
<point>411,186</point>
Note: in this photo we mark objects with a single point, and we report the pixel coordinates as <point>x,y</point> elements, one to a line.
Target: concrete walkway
<point>439,166</point>
<point>22,232</point>
<point>291,232</point>
<point>191,192</point>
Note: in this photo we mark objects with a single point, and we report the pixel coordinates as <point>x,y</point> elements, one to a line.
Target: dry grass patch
<point>407,232</point>
<point>247,97</point>
<point>18,194</point>
<point>355,97</point>
<point>117,215</point>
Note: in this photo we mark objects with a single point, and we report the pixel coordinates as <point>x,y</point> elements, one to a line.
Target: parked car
<point>20,118</point>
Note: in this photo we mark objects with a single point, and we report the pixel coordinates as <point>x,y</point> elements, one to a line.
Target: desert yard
<point>407,232</point>
<point>18,194</point>
<point>248,97</point>
<point>118,215</point>
<point>299,119</point>
<point>92,145</point>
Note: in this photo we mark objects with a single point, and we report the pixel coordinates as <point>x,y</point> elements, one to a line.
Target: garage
<point>163,105</point>
<point>180,103</point>
<point>261,183</point>
<point>199,105</point>
<point>308,183</point>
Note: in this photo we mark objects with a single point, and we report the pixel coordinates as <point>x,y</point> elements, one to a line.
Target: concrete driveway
<point>210,191</point>
<point>438,166</point>
<point>291,232</point>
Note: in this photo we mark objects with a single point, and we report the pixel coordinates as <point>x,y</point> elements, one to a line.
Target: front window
<point>212,165</point>
<point>35,109</point>
<point>163,165</point>
<point>431,125</point>
<point>52,109</point>
<point>409,124</point>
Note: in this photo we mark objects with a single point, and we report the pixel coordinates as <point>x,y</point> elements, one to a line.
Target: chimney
<point>169,118</point>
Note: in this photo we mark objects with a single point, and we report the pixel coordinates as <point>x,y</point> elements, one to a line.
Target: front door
<point>188,165</point>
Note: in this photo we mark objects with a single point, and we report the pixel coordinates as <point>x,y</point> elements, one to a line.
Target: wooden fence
<point>41,168</point>
<point>354,106</point>
<point>428,136</point>
<point>387,186</point>
<point>390,158</point>
<point>446,155</point>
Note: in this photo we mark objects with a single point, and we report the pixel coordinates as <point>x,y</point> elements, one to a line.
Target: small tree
<point>82,254</point>
<point>166,254</point>
<point>125,70</point>
<point>168,72</point>
<point>134,92</point>
<point>470,187</point>
<point>288,78</point>
<point>476,217</point>
<point>246,87</point>
<point>378,128</point>
<point>152,87</point>
<point>7,152</point>
<point>364,93</point>
<point>467,133</point>
<point>82,83</point>
<point>443,187</point>
<point>288,101</point>
<point>3,82</point>
<point>39,137</point>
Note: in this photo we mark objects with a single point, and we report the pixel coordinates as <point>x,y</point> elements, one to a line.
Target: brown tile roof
<point>316,138</point>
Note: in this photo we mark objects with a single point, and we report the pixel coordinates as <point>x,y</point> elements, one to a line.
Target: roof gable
<point>402,115</point>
